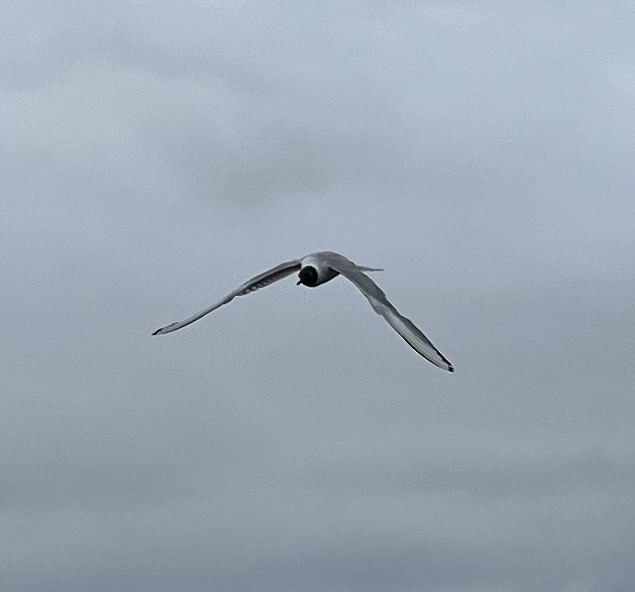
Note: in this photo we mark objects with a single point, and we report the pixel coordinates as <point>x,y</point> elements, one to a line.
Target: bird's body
<point>319,268</point>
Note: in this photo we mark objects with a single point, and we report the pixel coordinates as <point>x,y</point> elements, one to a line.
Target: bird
<point>317,269</point>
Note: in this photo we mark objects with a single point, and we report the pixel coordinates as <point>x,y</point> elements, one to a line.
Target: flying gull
<point>319,268</point>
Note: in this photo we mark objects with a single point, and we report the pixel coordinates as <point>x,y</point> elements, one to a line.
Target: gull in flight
<point>319,268</point>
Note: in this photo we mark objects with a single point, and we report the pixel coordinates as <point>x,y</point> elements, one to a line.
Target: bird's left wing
<point>381,305</point>
<point>255,283</point>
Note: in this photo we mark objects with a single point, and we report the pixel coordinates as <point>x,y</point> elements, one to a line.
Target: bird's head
<point>308,276</point>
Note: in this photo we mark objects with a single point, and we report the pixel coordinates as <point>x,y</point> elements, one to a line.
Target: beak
<point>298,282</point>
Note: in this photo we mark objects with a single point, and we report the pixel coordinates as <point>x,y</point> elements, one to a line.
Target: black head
<point>308,276</point>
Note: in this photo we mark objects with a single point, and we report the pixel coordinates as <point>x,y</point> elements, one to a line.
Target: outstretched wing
<point>381,305</point>
<point>255,283</point>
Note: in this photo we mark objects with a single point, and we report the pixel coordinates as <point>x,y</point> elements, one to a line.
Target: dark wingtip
<point>450,368</point>
<point>157,332</point>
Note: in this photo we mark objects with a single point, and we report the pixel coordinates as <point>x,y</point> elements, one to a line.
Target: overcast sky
<point>155,155</point>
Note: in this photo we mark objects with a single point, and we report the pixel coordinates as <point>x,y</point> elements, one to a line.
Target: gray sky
<point>155,156</point>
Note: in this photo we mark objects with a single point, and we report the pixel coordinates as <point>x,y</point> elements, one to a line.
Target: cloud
<point>153,158</point>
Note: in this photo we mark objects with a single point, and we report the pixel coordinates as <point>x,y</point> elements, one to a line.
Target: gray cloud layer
<point>153,157</point>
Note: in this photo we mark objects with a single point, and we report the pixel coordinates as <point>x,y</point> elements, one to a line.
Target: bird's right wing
<point>381,305</point>
<point>255,283</point>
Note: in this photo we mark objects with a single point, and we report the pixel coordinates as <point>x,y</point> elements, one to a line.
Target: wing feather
<point>382,306</point>
<point>255,283</point>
